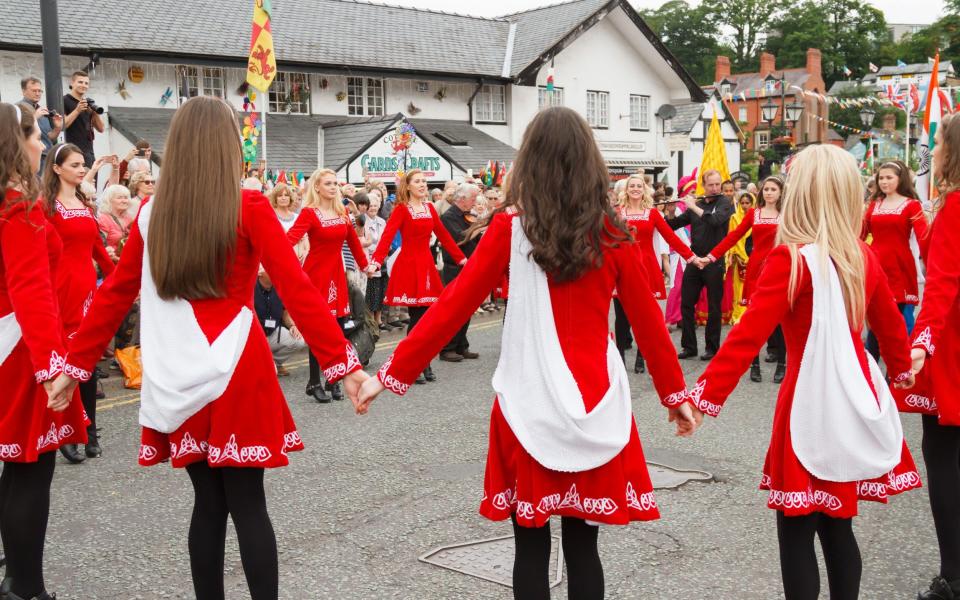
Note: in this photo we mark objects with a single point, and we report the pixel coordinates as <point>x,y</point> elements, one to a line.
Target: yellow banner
<point>714,153</point>
<point>262,63</point>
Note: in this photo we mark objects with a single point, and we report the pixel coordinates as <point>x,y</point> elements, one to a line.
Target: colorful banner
<point>262,63</point>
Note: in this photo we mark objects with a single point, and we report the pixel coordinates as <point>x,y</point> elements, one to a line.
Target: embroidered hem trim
<point>53,369</point>
<point>695,397</point>
<point>675,399</point>
<point>338,371</point>
<point>925,340</point>
<point>389,381</point>
<point>76,372</point>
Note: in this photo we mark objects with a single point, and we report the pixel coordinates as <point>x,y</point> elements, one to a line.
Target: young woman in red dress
<point>637,211</point>
<point>414,280</point>
<point>210,400</point>
<point>836,435</point>
<point>892,215</point>
<point>72,215</point>
<point>325,222</point>
<point>31,356</point>
<point>762,221</point>
<point>562,437</point>
<point>936,341</point>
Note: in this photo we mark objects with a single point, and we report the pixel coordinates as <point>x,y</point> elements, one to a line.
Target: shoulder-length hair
<point>777,181</point>
<point>312,197</point>
<point>196,207</point>
<point>646,201</point>
<point>904,180</point>
<point>559,185</point>
<point>948,169</point>
<point>50,182</point>
<point>15,164</point>
<point>277,191</point>
<point>403,189</point>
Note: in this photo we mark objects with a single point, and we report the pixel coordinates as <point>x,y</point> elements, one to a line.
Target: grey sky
<point>897,11</point>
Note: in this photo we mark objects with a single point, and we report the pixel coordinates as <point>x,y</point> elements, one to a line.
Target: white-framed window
<point>491,103</point>
<point>598,109</point>
<point>639,112</point>
<point>546,99</point>
<point>725,89</point>
<point>365,96</point>
<point>290,93</point>
<point>742,117</point>
<point>761,140</point>
<point>202,81</point>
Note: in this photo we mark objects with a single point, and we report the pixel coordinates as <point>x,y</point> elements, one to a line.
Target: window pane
<point>644,109</point>
<point>743,113</point>
<point>634,112</point>
<point>603,103</point>
<point>355,95</point>
<point>592,108</point>
<point>278,91</point>
<point>374,97</point>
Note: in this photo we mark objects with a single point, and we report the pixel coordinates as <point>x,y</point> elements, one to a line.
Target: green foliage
<point>748,21</point>
<point>942,35</point>
<point>691,33</point>
<point>851,116</point>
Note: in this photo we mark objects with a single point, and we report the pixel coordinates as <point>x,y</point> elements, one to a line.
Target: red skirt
<point>516,484</point>
<point>414,280</point>
<point>27,427</point>
<point>331,280</point>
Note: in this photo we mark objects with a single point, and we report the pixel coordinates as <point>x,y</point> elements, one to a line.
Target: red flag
<point>914,98</point>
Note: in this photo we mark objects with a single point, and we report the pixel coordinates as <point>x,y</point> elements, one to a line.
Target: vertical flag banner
<point>873,68</point>
<point>714,153</point>
<point>932,112</point>
<point>262,63</point>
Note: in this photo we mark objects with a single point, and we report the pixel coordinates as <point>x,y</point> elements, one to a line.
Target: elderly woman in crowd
<point>142,185</point>
<point>114,217</point>
<point>281,199</point>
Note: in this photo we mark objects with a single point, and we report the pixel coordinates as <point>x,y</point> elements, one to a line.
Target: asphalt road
<point>370,494</point>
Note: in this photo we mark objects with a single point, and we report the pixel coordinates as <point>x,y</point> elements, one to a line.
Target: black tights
<point>416,313</point>
<point>313,365</point>
<point>24,509</point>
<point>941,453</point>
<point>531,567</point>
<point>798,560</point>
<point>88,396</point>
<point>239,493</point>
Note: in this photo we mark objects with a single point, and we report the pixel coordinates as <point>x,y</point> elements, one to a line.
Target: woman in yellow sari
<point>738,257</point>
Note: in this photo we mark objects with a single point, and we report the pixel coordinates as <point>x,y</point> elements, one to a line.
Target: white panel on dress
<point>10,335</point>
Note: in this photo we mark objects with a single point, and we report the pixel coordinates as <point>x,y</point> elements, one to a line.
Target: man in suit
<point>455,219</point>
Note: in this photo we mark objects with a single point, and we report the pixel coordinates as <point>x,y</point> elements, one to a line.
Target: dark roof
<point>343,140</point>
<point>743,82</point>
<point>541,28</point>
<point>687,116</point>
<point>480,147</point>
<point>913,69</point>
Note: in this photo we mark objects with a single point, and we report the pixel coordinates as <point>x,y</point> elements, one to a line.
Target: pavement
<point>371,494</point>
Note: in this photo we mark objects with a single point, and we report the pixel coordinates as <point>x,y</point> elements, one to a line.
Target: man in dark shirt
<point>455,220</point>
<point>80,119</point>
<point>50,124</point>
<point>282,334</point>
<point>709,220</point>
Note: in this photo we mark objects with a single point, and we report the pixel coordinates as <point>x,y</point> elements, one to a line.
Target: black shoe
<point>686,353</point>
<point>335,391</point>
<point>93,449</point>
<point>42,596</point>
<point>451,356</point>
<point>5,585</point>
<point>941,589</point>
<point>428,374</point>
<point>101,374</point>
<point>469,355</point>
<point>316,391</point>
<point>755,374</point>
<point>639,366</point>
<point>420,380</point>
<point>779,374</point>
<point>708,355</point>
<point>770,358</point>
<point>70,452</point>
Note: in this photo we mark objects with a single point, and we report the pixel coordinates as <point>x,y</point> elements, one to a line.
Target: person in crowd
<point>348,191</point>
<point>672,314</point>
<point>566,251</point>
<point>436,195</point>
<point>282,333</point>
<point>50,123</point>
<point>281,199</point>
<point>195,276</point>
<point>142,186</point>
<point>739,255</point>
<point>140,150</point>
<point>324,220</point>
<point>414,282</point>
<point>936,356</point>
<point>457,220</point>
<point>32,428</point>
<point>81,117</point>
<point>446,197</point>
<point>72,215</point>
<point>376,282</point>
<point>836,436</point>
<point>358,216</point>
<point>252,184</point>
<point>637,211</point>
<point>708,218</point>
<point>892,216</point>
<point>114,217</point>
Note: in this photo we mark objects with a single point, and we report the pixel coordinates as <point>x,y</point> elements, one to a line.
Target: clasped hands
<point>687,417</point>
<point>701,261</point>
<point>59,391</point>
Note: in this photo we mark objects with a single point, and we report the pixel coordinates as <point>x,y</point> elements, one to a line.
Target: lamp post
<point>866,118</point>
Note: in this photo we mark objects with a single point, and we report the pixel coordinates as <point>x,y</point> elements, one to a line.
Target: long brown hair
<point>904,182</point>
<point>50,182</point>
<point>15,164</point>
<point>948,172</point>
<point>196,208</point>
<point>559,184</point>
<point>403,190</point>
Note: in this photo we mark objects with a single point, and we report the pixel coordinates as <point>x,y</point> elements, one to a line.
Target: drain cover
<point>663,476</point>
<point>490,559</point>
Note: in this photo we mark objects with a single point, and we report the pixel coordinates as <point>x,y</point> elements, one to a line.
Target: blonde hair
<point>277,191</point>
<point>646,201</point>
<point>823,205</point>
<point>136,180</point>
<point>111,192</point>
<point>312,198</point>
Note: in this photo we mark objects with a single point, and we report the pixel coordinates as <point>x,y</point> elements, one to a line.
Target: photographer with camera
<point>82,116</point>
<point>50,123</point>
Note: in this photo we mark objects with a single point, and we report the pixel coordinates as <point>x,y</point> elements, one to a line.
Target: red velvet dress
<point>76,275</point>
<point>324,263</point>
<point>414,280</point>
<point>936,329</point>
<point>792,489</point>
<point>764,234</point>
<point>642,225</point>
<point>30,331</point>
<point>616,492</point>
<point>249,425</point>
<point>891,243</point>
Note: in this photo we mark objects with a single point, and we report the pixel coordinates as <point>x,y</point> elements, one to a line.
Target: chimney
<point>722,70</point>
<point>768,64</point>
<point>813,62</point>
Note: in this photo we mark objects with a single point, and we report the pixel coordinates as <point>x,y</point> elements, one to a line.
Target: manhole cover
<point>663,476</point>
<point>490,559</point>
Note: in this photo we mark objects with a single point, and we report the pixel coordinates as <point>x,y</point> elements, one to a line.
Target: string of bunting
<point>849,129</point>
<point>842,102</point>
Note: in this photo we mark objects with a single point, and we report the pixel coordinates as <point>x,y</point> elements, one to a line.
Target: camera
<point>93,106</point>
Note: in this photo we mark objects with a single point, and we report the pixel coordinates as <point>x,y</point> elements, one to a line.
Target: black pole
<point>52,76</point>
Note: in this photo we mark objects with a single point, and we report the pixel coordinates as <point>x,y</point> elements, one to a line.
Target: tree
<point>749,21</point>
<point>942,35</point>
<point>691,33</point>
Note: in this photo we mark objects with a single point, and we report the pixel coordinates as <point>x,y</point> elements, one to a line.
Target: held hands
<point>369,391</point>
<point>371,269</point>
<point>918,356</point>
<point>59,392</point>
<point>687,417</point>
<point>462,262</point>
<point>700,262</point>
<point>352,383</point>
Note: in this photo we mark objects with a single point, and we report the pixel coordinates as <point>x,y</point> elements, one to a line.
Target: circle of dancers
<point>562,438</point>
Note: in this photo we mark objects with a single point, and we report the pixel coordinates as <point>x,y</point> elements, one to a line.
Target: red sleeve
<point>651,335</point>
<point>734,236</point>
<point>100,255</point>
<point>768,305</point>
<point>666,232</point>
<point>305,221</point>
<point>457,302</point>
<point>300,297</point>
<point>26,262</point>
<point>446,240</point>
<point>865,224</point>
<point>110,304</point>
<point>943,276</point>
<point>918,221</point>
<point>886,322</point>
<point>356,248</point>
<point>397,218</point>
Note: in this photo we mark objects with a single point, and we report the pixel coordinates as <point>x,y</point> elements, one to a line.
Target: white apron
<point>182,372</point>
<point>840,431</point>
<point>537,393</point>
<point>10,335</point>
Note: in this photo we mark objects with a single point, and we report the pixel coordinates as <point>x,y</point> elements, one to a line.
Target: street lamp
<point>793,112</point>
<point>866,117</point>
<point>769,111</point>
